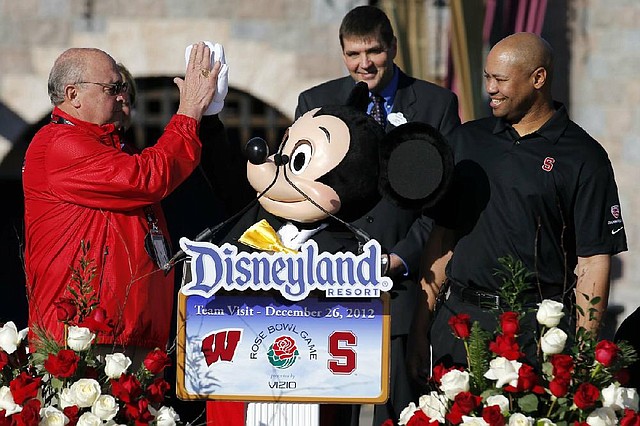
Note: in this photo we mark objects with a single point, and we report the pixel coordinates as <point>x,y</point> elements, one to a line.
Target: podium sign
<point>261,346</point>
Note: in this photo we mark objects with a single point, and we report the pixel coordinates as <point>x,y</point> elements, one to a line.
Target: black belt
<point>488,300</point>
<point>477,298</point>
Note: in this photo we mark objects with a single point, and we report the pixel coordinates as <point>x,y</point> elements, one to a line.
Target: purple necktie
<point>378,112</point>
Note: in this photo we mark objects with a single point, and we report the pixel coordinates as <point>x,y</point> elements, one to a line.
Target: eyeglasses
<point>111,89</point>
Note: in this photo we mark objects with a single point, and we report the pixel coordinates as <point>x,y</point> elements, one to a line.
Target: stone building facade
<point>277,48</point>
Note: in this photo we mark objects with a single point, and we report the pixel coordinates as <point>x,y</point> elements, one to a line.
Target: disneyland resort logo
<point>293,275</point>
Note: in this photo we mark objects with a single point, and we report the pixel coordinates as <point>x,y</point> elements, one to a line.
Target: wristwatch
<point>384,264</point>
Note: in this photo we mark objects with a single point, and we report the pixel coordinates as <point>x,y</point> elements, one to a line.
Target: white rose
<point>167,416</point>
<point>10,337</point>
<point>503,371</point>
<point>85,392</point>
<point>454,382</point>
<point>89,419</point>
<point>434,406</point>
<point>499,400</point>
<point>545,422</point>
<point>79,338</point>
<point>407,413</point>
<point>618,398</point>
<point>7,403</point>
<point>553,341</point>
<point>602,416</point>
<point>550,313</point>
<point>116,364</point>
<point>66,398</point>
<point>51,416</point>
<point>519,419</point>
<point>105,407</point>
<point>473,421</point>
<point>630,398</point>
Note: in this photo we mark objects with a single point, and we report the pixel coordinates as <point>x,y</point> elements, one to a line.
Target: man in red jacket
<point>79,185</point>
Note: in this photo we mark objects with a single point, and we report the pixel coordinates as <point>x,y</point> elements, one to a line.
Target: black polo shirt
<point>544,198</point>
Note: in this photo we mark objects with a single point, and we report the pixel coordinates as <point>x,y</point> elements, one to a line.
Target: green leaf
<point>528,403</point>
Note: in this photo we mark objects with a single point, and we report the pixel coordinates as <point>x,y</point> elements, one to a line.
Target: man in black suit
<point>369,48</point>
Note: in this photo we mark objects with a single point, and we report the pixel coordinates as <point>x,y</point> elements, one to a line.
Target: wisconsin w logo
<point>221,345</point>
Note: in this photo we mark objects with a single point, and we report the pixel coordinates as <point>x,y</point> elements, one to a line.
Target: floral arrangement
<point>68,384</point>
<point>580,385</point>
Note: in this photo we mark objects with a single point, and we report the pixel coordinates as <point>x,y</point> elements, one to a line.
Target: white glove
<point>217,54</point>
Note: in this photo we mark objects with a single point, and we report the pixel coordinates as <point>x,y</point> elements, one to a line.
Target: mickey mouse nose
<point>256,150</point>
<point>281,159</point>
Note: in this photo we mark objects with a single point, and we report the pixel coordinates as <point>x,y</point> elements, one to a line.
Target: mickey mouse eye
<point>300,158</point>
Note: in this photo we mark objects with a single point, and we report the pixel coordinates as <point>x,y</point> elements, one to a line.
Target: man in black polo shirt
<point>531,184</point>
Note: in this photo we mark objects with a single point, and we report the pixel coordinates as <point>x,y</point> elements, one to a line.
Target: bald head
<point>71,67</point>
<point>527,51</point>
<point>518,81</point>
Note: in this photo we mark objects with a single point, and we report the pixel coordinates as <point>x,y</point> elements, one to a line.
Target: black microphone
<point>256,151</point>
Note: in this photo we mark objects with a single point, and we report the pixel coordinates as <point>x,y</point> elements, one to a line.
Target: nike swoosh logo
<point>615,231</point>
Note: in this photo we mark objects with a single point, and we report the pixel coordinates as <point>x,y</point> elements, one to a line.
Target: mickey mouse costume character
<point>333,165</point>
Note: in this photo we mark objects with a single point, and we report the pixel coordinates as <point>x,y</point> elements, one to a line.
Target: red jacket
<point>80,185</point>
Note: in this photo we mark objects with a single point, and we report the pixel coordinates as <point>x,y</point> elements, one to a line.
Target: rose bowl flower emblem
<point>283,352</point>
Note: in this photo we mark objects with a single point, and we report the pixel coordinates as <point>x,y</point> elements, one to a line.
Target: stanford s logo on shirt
<point>547,164</point>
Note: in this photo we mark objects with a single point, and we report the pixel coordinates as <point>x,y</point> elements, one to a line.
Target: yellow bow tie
<point>262,236</point>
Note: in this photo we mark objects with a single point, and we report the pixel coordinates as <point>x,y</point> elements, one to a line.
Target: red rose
<point>562,366</point>
<point>62,365</point>
<point>559,387</point>
<point>439,371</point>
<point>66,309</point>
<point>464,403</point>
<point>388,422</point>
<point>24,387</point>
<point>157,389</point>
<point>139,411</point>
<point>419,418</point>
<point>4,359</point>
<point>454,415</point>
<point>506,346</point>
<point>586,396</point>
<point>127,388</point>
<point>493,415</point>
<point>4,420</point>
<point>72,414</point>
<point>461,325</point>
<point>527,381</point>
<point>630,418</point>
<point>98,322</point>
<point>30,414</point>
<point>509,323</point>
<point>606,352</point>
<point>156,361</point>
<point>577,423</point>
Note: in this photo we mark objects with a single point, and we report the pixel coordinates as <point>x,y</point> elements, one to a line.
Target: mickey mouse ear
<point>359,97</point>
<point>416,165</point>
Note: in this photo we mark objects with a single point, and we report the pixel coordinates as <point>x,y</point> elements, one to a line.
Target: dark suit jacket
<point>399,231</point>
